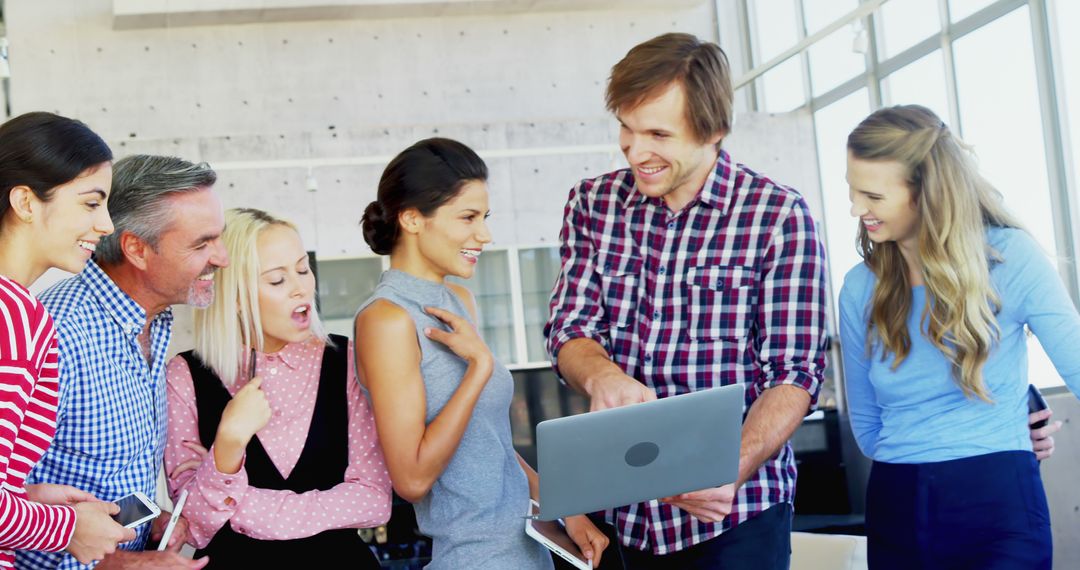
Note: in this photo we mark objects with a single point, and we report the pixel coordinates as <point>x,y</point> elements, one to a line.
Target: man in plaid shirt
<point>114,322</point>
<point>689,271</point>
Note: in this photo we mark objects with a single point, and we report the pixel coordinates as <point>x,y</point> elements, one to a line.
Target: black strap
<point>321,466</point>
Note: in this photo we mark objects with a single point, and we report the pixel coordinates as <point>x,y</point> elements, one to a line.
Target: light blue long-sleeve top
<point>917,413</point>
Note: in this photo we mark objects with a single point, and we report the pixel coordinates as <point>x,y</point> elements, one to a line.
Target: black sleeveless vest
<point>321,466</point>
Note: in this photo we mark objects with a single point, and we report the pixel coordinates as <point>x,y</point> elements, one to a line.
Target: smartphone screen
<point>132,509</point>
<point>1036,402</point>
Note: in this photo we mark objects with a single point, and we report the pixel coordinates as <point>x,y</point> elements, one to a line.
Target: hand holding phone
<point>172,520</point>
<point>553,535</point>
<point>1036,403</point>
<point>96,532</point>
<point>135,509</point>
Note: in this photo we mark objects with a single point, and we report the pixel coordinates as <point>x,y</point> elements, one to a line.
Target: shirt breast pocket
<point>619,279</point>
<point>723,302</point>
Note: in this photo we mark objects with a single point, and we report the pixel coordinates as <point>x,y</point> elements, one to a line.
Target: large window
<point>906,23</point>
<point>1063,13</point>
<point>343,285</point>
<point>960,9</point>
<point>539,267</point>
<point>976,63</point>
<point>833,123</point>
<point>1000,118</point>
<point>512,287</point>
<point>494,303</point>
<point>833,61</point>
<point>919,81</point>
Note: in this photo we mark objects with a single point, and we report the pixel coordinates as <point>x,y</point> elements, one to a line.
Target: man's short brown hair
<point>700,67</point>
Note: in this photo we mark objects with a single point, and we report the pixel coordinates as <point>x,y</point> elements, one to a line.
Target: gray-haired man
<point>114,323</point>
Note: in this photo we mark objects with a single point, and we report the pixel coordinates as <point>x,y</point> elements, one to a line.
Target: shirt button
<point>662,271</point>
<point>229,501</point>
<point>671,225</point>
<point>648,358</point>
<point>656,314</point>
<point>228,481</point>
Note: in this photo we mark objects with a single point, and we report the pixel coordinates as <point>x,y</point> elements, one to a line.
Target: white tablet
<point>552,535</point>
<point>179,506</point>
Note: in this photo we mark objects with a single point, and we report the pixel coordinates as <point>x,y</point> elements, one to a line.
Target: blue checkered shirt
<point>110,433</point>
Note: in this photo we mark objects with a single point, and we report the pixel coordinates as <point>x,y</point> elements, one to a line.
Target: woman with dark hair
<point>55,175</point>
<point>935,324</point>
<point>440,398</point>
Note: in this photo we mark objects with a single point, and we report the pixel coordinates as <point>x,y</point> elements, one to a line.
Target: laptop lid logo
<point>642,454</point>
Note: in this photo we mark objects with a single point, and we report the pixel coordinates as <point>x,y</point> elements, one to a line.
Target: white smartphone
<point>552,535</point>
<point>135,509</point>
<point>172,520</point>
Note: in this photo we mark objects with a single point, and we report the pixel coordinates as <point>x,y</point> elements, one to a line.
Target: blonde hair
<point>230,327</point>
<point>955,205</point>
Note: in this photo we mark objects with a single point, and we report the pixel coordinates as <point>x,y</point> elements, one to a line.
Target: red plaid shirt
<point>731,289</point>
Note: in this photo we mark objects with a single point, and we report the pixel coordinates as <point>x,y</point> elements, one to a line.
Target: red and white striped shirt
<point>29,394</point>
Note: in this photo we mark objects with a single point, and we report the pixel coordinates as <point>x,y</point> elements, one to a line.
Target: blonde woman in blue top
<point>933,325</point>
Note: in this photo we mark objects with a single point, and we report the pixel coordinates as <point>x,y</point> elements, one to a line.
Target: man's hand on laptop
<point>709,505</point>
<point>616,390</point>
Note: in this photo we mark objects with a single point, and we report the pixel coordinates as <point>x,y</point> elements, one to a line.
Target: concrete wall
<point>272,104</point>
<point>337,89</point>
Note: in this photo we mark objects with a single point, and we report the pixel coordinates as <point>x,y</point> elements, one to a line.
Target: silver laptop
<point>600,460</point>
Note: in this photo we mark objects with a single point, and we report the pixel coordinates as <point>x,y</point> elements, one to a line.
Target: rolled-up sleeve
<point>791,320</point>
<point>576,310</point>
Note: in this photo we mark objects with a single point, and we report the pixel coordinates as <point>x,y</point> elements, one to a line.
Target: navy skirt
<point>986,512</point>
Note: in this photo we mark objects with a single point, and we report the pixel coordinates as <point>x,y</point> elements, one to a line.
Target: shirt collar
<point>716,192</point>
<point>115,303</point>
<point>292,354</point>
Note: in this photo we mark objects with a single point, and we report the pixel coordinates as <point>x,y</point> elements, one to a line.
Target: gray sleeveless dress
<point>474,511</point>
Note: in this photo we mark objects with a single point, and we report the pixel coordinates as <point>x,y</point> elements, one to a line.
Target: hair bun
<point>379,233</point>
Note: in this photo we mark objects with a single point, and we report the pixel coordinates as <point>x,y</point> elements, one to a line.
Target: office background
<point>300,103</point>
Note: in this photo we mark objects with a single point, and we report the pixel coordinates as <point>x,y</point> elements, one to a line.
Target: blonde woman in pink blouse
<point>269,431</point>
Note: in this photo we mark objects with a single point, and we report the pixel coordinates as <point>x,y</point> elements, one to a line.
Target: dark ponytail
<point>379,232</point>
<point>424,176</point>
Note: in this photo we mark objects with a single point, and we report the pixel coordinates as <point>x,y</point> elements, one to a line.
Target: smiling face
<point>883,202</point>
<point>74,219</point>
<point>181,268</point>
<point>667,159</point>
<point>286,288</point>
<point>452,238</point>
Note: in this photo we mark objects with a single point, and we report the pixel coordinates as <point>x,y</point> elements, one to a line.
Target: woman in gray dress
<point>441,400</point>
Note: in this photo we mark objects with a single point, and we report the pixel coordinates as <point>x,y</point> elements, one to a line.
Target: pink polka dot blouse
<point>290,382</point>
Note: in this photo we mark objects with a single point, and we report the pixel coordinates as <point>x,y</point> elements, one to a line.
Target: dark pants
<point>986,512</point>
<point>761,543</point>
